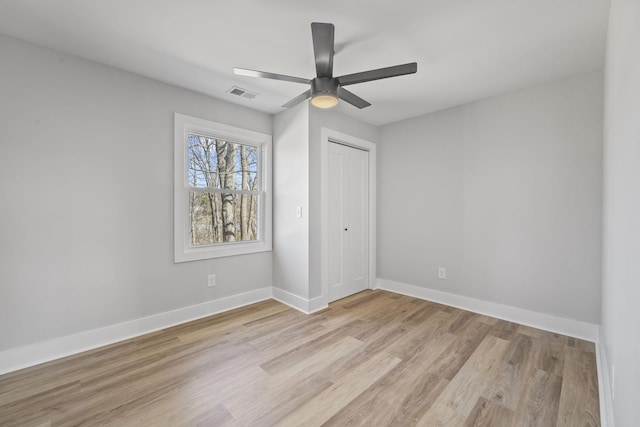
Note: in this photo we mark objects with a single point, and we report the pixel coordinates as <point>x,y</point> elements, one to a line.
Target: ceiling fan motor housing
<point>324,86</point>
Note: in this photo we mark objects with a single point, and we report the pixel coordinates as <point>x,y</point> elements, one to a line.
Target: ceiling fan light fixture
<point>324,100</point>
<point>324,92</point>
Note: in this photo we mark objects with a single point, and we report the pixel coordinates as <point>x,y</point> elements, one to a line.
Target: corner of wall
<point>604,383</point>
<point>306,306</point>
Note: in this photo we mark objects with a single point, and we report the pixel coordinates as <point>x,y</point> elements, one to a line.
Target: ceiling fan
<point>326,89</point>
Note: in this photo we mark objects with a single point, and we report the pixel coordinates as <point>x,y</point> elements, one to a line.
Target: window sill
<point>220,251</point>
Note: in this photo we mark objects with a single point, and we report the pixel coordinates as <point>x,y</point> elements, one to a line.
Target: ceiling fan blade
<point>298,99</point>
<point>265,75</point>
<point>323,48</point>
<point>380,73</point>
<point>352,98</point>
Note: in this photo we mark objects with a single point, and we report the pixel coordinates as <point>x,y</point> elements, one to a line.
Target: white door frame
<point>329,135</point>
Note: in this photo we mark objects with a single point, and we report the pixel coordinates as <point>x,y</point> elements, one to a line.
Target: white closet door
<point>348,221</point>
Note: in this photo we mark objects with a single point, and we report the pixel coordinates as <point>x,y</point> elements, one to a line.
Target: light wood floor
<point>373,359</point>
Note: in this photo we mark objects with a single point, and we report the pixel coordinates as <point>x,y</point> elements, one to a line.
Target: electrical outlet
<point>442,273</point>
<point>212,281</point>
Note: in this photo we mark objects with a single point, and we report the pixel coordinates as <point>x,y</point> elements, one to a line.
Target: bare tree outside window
<point>223,190</point>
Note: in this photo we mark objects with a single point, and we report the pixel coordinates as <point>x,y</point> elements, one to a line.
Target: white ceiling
<point>465,50</point>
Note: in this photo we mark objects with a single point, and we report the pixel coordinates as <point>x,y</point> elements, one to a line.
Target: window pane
<point>222,217</point>
<point>246,170</point>
<point>201,161</point>
<point>216,163</point>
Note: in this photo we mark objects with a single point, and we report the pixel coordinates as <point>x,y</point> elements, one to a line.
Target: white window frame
<point>183,252</point>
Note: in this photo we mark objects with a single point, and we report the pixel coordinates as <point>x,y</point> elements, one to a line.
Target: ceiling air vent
<point>242,92</point>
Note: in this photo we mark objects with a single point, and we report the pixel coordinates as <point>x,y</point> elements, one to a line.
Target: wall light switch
<point>212,281</point>
<point>298,211</point>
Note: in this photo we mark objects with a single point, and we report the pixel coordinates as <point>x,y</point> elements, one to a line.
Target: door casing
<point>326,136</point>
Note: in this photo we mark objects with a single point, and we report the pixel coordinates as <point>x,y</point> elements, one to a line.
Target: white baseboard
<point>548,322</point>
<point>307,306</point>
<point>317,304</point>
<point>604,384</point>
<point>34,354</point>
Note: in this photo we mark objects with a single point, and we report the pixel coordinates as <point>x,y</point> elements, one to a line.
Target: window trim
<point>183,252</point>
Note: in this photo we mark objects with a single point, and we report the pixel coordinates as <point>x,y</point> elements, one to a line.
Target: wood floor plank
<point>407,389</point>
<point>424,312</point>
<point>462,319</point>
<point>579,404</point>
<point>431,332</point>
<point>318,410</point>
<point>371,359</point>
<point>444,417</point>
<point>504,329</point>
<point>464,389</point>
<point>39,406</point>
<point>279,342</point>
<point>355,300</point>
<point>489,414</point>
<point>452,359</point>
<point>517,366</point>
<point>298,354</point>
<point>538,405</point>
<point>252,403</point>
<point>373,412</point>
<point>584,345</point>
<point>218,416</point>
<point>190,398</point>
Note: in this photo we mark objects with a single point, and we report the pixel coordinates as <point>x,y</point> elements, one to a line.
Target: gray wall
<point>291,189</point>
<point>621,266</point>
<point>505,193</point>
<point>297,177</point>
<point>86,197</point>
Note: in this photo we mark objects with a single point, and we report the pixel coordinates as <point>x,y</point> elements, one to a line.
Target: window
<point>222,190</point>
